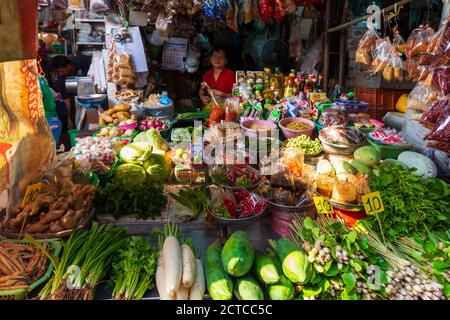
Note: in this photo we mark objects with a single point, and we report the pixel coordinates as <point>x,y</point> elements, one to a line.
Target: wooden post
<point>326,48</point>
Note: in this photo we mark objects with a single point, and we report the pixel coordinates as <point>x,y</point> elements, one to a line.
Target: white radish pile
<point>179,276</point>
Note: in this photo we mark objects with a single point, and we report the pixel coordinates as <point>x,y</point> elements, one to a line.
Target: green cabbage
<point>158,167</point>
<point>153,137</point>
<point>136,152</point>
<point>130,174</point>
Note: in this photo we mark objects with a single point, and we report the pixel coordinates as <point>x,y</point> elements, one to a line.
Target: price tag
<point>323,205</point>
<point>373,203</point>
<point>31,194</point>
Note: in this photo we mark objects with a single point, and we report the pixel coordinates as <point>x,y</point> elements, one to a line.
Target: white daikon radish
<point>159,278</point>
<point>197,291</point>
<point>188,258</point>
<point>182,293</point>
<point>172,265</point>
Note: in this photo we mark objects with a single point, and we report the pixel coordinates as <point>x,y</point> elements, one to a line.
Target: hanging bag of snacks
<point>365,47</point>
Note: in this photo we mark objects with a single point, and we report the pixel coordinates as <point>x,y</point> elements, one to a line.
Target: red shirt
<point>224,82</point>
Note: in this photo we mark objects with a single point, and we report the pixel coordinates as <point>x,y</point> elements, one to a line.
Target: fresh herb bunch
<point>343,261</point>
<point>143,200</point>
<point>194,198</point>
<point>134,269</point>
<point>409,202</point>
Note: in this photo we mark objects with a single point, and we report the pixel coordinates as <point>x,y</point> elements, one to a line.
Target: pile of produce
<point>85,260</point>
<point>194,198</point>
<point>236,204</point>
<point>134,268</point>
<point>61,206</point>
<point>341,135</point>
<point>150,123</point>
<point>21,265</point>
<point>333,117</point>
<point>409,201</point>
<point>96,153</point>
<point>124,128</point>
<point>179,274</point>
<point>298,126</point>
<point>120,112</point>
<point>310,146</point>
<point>130,192</point>
<point>240,176</point>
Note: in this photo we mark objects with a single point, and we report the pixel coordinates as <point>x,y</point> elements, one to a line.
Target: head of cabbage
<point>158,167</point>
<point>136,152</point>
<point>152,137</point>
<point>130,174</point>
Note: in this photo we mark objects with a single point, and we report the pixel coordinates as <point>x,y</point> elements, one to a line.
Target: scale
<point>88,109</point>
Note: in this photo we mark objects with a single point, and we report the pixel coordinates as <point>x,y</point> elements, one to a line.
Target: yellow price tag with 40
<point>31,194</point>
<point>323,205</point>
<point>372,203</point>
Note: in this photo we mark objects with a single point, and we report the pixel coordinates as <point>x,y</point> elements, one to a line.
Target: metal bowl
<point>237,222</point>
<point>92,98</point>
<point>347,207</point>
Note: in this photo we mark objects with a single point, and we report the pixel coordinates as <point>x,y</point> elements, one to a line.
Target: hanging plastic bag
<point>365,47</point>
<point>291,7</point>
<point>266,9</point>
<point>441,80</point>
<point>440,135</point>
<point>398,42</point>
<point>247,11</point>
<point>421,97</point>
<point>76,5</point>
<point>418,41</point>
<point>440,44</point>
<point>231,16</point>
<point>381,55</point>
<point>396,64</point>
<point>162,25</point>
<point>98,6</point>
<point>280,10</point>
<point>431,116</point>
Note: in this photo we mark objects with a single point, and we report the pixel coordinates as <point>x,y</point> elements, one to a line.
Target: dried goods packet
<point>365,47</point>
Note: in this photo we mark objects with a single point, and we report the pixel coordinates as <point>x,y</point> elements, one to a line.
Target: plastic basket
<point>381,101</point>
<point>20,294</point>
<point>388,152</point>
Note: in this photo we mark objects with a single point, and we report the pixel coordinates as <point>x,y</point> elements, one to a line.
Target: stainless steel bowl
<point>92,98</point>
<point>237,222</point>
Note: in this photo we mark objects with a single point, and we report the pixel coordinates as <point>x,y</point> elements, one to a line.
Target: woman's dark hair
<point>220,49</point>
<point>60,61</point>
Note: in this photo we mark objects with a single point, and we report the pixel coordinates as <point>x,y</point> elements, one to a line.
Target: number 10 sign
<point>373,203</point>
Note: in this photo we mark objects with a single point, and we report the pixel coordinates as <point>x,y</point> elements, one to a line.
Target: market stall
<point>276,191</point>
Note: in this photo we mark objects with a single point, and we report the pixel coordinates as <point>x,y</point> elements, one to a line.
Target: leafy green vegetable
<point>409,202</point>
<point>243,182</point>
<point>144,200</point>
<point>158,167</point>
<point>152,137</point>
<point>134,269</point>
<point>194,198</point>
<point>136,152</point>
<point>130,174</point>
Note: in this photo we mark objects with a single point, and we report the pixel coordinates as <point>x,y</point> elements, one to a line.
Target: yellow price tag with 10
<point>372,203</point>
<point>323,205</point>
<point>31,194</point>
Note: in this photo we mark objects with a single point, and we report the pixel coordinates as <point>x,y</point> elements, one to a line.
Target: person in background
<point>50,110</point>
<point>219,77</point>
<point>65,67</point>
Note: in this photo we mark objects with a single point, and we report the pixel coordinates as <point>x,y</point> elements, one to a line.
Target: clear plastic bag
<point>98,5</point>
<point>247,11</point>
<point>440,43</point>
<point>441,80</point>
<point>76,5</point>
<point>440,135</point>
<point>419,40</point>
<point>398,42</point>
<point>421,98</point>
<point>431,116</point>
<point>365,47</point>
<point>381,56</point>
<point>396,63</point>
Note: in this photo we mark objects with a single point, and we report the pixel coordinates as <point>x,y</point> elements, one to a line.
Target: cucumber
<point>220,285</point>
<point>360,167</point>
<point>349,168</point>
<point>265,269</point>
<point>247,288</point>
<point>238,254</point>
<point>283,289</point>
<point>294,262</point>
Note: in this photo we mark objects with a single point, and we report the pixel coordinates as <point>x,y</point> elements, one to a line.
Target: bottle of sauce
<point>280,78</point>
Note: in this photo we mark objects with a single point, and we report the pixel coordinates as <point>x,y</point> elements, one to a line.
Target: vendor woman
<point>219,77</point>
